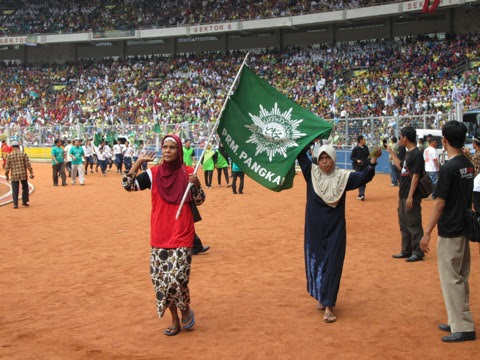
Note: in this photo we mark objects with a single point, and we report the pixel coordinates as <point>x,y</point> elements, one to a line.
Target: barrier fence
<point>37,140</point>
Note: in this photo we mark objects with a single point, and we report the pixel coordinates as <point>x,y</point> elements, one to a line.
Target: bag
<point>425,186</point>
<point>198,197</point>
<point>472,226</point>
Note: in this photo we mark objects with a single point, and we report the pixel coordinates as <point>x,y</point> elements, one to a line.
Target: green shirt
<point>188,156</point>
<point>78,153</point>
<point>221,161</point>
<point>57,153</point>
<point>208,163</point>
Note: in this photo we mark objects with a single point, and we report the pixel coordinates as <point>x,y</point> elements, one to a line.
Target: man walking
<point>359,162</point>
<point>88,150</point>
<point>453,196</point>
<point>431,161</point>
<point>77,154</point>
<point>58,168</point>
<point>409,202</point>
<point>17,164</point>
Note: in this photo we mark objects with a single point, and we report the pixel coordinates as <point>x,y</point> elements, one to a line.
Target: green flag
<point>263,131</point>
<point>97,139</point>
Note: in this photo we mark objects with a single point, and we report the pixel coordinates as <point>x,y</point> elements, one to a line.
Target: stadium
<point>74,278</point>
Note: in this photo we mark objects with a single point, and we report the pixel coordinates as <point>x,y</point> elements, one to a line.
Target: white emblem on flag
<point>273,132</point>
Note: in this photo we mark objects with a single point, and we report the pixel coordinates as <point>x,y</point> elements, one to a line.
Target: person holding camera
<point>16,171</point>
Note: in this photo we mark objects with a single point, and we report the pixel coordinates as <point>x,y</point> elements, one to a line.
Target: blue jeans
<point>393,174</point>
<point>434,176</point>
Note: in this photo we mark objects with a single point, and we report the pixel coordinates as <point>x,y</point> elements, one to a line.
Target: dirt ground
<point>75,284</point>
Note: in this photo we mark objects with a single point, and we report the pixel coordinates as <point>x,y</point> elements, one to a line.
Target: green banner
<point>263,131</point>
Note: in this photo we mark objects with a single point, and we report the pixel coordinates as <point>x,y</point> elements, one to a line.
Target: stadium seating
<point>58,16</point>
<point>421,74</point>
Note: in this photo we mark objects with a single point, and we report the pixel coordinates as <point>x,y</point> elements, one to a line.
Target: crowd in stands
<point>343,81</point>
<point>23,17</point>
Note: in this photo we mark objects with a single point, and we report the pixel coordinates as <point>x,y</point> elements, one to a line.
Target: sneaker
<point>362,198</point>
<point>359,197</point>
<point>234,192</point>
<point>392,185</point>
<point>240,192</point>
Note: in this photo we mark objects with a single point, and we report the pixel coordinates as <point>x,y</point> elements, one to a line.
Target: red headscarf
<point>172,177</point>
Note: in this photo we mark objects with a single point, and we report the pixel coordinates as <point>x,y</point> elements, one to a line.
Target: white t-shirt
<point>128,152</point>
<point>100,155</point>
<point>87,149</point>
<point>117,149</point>
<point>476,183</point>
<point>429,155</point>
<point>67,150</point>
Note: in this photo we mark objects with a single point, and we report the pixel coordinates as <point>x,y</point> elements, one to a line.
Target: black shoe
<point>459,337</point>
<point>202,250</point>
<point>445,327</point>
<point>400,256</point>
<point>235,192</point>
<point>55,184</point>
<point>414,258</point>
<point>25,204</point>
<point>64,184</point>
<point>15,206</point>
<point>240,192</point>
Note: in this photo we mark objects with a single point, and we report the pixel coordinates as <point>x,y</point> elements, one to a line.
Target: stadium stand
<point>57,16</point>
<point>420,74</point>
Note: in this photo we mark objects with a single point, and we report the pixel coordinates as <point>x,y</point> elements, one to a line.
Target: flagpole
<point>214,129</point>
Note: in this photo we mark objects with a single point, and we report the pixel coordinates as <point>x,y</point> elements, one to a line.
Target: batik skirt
<point>170,272</point>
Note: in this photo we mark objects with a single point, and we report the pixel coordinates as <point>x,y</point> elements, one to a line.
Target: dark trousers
<point>476,202</point>
<point>103,165</point>
<point>88,161</point>
<point>197,243</point>
<point>208,177</point>
<point>241,176</point>
<point>16,188</point>
<point>69,168</point>
<point>128,163</point>
<point>119,162</point>
<point>411,226</point>
<point>361,189</point>
<point>225,173</point>
<point>59,170</point>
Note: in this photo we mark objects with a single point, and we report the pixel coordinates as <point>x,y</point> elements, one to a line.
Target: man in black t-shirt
<point>409,202</point>
<point>359,158</point>
<point>453,195</point>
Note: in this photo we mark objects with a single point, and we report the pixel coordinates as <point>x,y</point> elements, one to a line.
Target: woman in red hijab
<point>171,239</point>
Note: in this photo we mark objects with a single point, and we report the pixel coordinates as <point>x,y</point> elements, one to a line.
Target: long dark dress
<point>325,236</point>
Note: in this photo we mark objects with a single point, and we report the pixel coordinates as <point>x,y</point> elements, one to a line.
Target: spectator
<point>453,196</point>
<point>17,164</point>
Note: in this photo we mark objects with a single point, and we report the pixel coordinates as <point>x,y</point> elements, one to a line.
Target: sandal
<point>329,318</point>
<point>171,331</point>
<point>191,322</point>
<point>320,306</point>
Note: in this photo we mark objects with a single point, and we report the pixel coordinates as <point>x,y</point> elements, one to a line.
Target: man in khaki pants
<point>453,195</point>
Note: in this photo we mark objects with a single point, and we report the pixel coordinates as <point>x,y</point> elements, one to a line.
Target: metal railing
<point>344,133</point>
